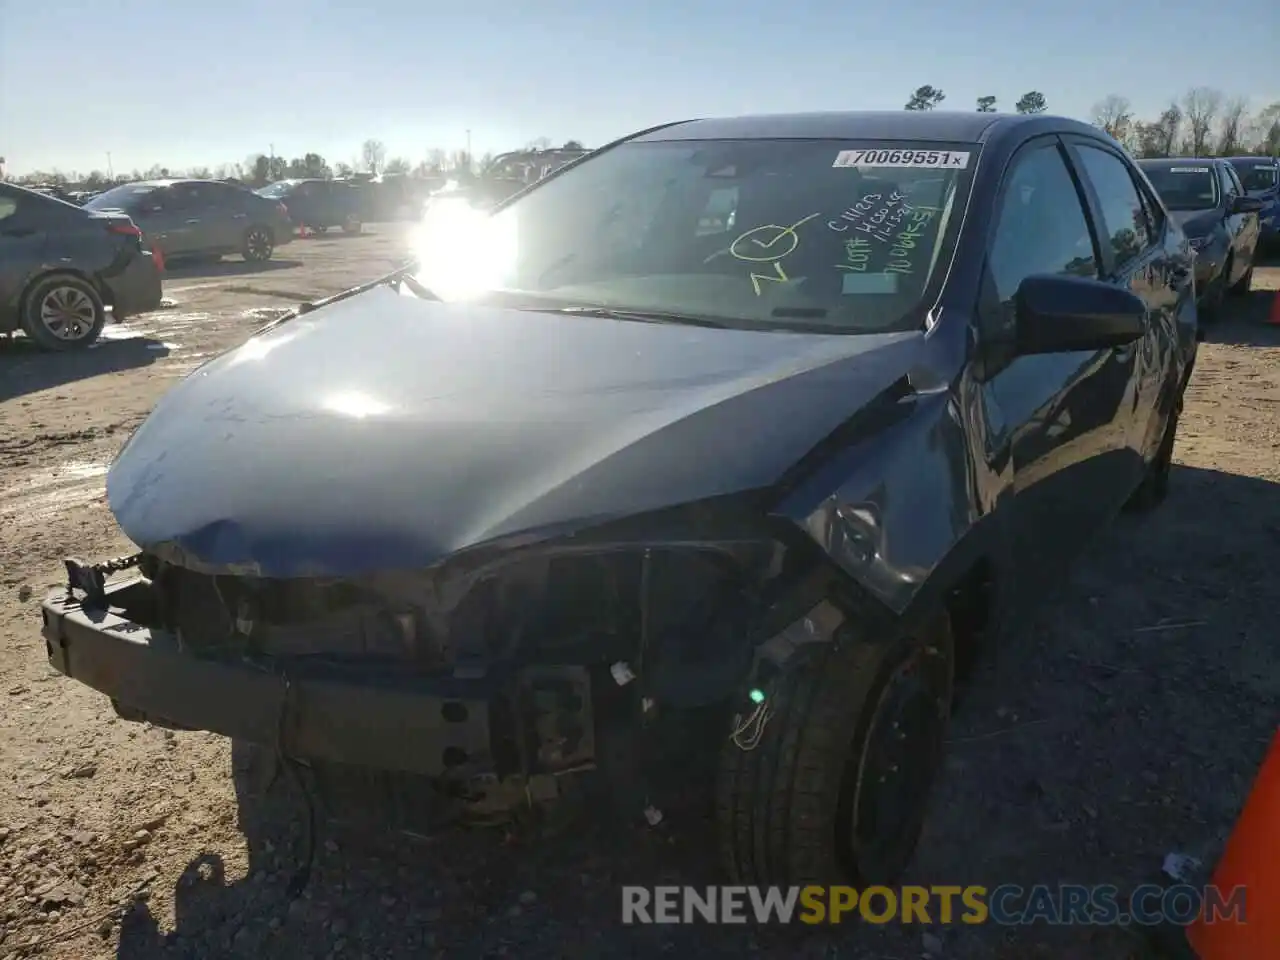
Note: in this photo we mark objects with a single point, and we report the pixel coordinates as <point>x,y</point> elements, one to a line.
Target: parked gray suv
<point>201,217</point>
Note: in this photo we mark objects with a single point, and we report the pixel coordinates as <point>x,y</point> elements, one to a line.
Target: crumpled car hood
<point>385,432</point>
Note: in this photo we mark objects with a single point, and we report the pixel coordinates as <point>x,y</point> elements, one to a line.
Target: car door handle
<point>194,220</point>
<point>239,216</point>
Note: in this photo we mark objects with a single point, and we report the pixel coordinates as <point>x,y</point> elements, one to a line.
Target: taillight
<point>125,229</point>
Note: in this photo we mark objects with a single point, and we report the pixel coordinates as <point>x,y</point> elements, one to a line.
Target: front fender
<point>907,509</point>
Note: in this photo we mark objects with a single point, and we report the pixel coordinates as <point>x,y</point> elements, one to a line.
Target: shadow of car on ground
<point>1125,720</point>
<point>191,269</point>
<point>333,233</point>
<point>26,369</point>
<point>1245,321</point>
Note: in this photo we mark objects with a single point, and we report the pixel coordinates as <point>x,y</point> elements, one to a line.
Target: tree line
<point>259,169</point>
<point>1203,122</point>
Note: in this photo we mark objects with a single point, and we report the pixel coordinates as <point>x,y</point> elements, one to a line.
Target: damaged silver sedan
<point>767,420</point>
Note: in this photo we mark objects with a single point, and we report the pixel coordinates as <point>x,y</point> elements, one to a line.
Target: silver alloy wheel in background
<point>258,244</point>
<point>68,313</point>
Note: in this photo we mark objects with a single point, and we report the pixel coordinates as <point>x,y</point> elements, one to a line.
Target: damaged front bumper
<point>498,695</point>
<point>534,721</point>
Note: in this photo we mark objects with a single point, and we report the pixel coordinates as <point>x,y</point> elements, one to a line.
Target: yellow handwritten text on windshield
<point>771,244</point>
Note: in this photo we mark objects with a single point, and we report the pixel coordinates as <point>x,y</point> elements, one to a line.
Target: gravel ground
<point>1126,721</point>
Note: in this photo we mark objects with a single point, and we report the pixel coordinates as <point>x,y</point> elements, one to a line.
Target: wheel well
<point>969,605</point>
<point>60,272</point>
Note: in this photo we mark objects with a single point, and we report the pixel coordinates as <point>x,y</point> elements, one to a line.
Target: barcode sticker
<point>928,159</point>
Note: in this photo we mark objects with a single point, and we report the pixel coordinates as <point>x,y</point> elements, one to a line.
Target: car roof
<point>925,125</point>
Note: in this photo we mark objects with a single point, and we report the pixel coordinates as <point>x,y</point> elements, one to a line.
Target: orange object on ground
<point>1274,318</point>
<point>1251,859</point>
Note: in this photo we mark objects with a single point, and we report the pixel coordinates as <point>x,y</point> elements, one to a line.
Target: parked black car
<point>62,266</point>
<point>794,474</point>
<point>318,204</point>
<point>1208,201</point>
<point>188,218</point>
<point>1260,177</point>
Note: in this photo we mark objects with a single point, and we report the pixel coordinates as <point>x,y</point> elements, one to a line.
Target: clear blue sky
<point>189,82</point>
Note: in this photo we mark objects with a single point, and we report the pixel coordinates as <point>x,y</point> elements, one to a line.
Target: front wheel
<point>827,779</point>
<point>258,245</point>
<point>63,312</point>
<point>1215,296</point>
<point>1154,488</point>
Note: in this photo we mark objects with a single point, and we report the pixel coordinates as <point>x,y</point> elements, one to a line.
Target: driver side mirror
<point>1054,313</point>
<point>1248,205</point>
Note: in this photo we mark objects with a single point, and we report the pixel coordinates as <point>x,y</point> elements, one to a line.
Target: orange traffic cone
<point>1251,860</point>
<point>1274,318</point>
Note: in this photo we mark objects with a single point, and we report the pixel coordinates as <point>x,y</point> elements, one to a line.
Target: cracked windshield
<point>576,481</point>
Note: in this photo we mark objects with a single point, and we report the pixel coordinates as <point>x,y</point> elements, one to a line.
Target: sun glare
<point>464,252</point>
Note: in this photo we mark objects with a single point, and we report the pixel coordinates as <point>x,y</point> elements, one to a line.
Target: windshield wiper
<point>641,316</point>
<point>401,275</point>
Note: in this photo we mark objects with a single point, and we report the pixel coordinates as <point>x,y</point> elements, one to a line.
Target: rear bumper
<point>137,288</point>
<point>284,231</point>
<point>414,725</point>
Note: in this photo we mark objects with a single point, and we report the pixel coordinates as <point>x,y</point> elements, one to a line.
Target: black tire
<point>793,807</point>
<point>62,312</point>
<point>352,225</point>
<point>1154,489</point>
<point>1244,284</point>
<point>258,244</point>
<point>1211,306</point>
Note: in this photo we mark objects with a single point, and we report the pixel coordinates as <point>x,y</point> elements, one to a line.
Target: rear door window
<point>206,195</point>
<point>181,196</point>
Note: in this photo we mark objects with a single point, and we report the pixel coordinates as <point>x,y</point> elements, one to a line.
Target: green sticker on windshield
<point>869,283</point>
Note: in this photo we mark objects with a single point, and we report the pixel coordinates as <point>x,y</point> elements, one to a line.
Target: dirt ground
<point>1125,722</point>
